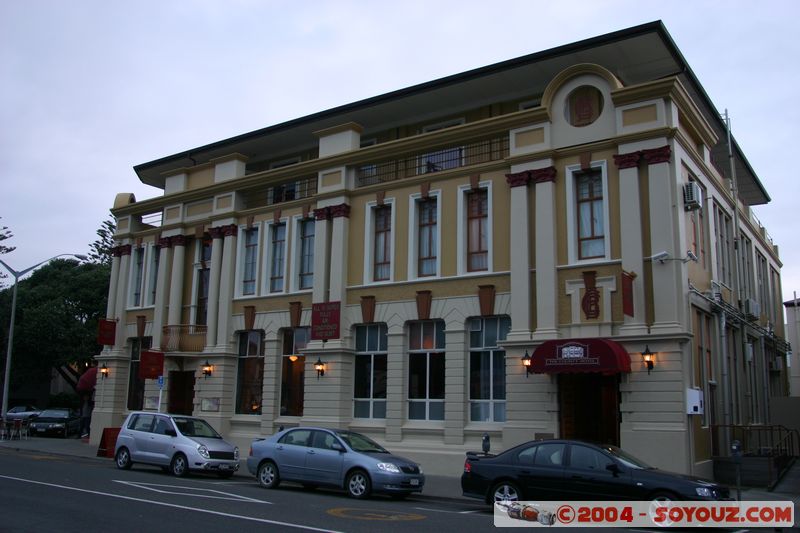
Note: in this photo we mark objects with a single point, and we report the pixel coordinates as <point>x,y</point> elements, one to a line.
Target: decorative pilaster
<point>547,286</point>
<point>226,282</point>
<point>212,315</point>
<point>175,303</point>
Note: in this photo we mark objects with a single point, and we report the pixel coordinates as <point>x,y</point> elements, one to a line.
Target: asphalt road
<point>42,492</point>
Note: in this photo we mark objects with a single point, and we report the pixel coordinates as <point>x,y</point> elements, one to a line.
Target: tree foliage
<point>5,234</point>
<point>58,308</point>
<point>100,250</point>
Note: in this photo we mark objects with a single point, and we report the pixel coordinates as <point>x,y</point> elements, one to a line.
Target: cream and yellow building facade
<point>574,208</point>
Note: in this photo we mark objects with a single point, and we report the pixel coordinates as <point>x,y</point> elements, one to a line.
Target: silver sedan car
<point>176,443</point>
<point>335,458</point>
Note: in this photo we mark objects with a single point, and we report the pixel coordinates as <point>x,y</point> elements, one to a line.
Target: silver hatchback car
<point>335,458</point>
<point>176,443</point>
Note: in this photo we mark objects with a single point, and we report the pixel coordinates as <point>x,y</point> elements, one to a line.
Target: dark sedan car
<point>59,422</point>
<point>573,470</point>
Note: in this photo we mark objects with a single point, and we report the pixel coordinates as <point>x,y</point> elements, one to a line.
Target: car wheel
<point>123,459</point>
<point>505,491</point>
<point>268,476</point>
<point>179,466</point>
<point>358,484</point>
<point>663,497</point>
<point>225,475</point>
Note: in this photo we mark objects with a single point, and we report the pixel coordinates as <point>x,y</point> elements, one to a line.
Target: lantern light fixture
<point>319,366</point>
<point>208,369</point>
<point>104,371</point>
<point>527,363</point>
<point>649,358</point>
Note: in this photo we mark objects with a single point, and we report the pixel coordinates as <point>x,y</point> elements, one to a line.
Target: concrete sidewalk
<point>441,487</point>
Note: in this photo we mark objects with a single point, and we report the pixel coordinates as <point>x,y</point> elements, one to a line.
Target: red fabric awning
<point>602,356</point>
<point>87,380</point>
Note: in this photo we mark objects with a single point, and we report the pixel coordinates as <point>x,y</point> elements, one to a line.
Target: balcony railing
<point>435,160</point>
<point>283,192</point>
<point>184,338</point>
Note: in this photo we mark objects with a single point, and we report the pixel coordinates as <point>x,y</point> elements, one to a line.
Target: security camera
<point>690,256</point>
<point>660,257</point>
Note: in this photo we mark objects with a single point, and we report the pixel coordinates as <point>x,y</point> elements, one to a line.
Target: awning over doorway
<point>602,356</point>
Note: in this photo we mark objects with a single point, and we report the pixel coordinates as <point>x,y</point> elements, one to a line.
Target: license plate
<point>224,467</point>
<point>415,482</point>
<point>41,430</point>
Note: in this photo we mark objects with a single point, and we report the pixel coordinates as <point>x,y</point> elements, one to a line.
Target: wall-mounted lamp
<point>649,358</point>
<point>526,362</point>
<point>104,371</point>
<point>319,366</point>
<point>207,369</point>
<point>292,358</point>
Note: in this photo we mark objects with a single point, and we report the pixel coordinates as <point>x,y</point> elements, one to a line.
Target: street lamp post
<point>17,275</point>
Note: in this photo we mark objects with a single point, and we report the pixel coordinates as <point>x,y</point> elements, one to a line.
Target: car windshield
<point>360,443</point>
<point>53,413</point>
<point>626,458</point>
<point>195,427</point>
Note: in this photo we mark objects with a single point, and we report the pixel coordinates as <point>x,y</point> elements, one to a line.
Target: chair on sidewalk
<point>5,430</point>
<point>24,429</point>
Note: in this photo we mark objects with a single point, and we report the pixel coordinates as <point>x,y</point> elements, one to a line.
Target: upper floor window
<point>477,230</point>
<point>724,234</point>
<point>250,261</point>
<point>137,276</point>
<point>306,259</point>
<point>587,212</point>
<point>383,243</point>
<point>203,271</point>
<point>277,262</point>
<point>155,259</point>
<point>427,239</point>
<point>250,377</point>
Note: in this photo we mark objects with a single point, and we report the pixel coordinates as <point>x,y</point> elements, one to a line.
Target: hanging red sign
<point>106,332</point>
<point>325,320</point>
<point>151,365</point>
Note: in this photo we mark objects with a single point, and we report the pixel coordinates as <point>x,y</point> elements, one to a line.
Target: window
<point>761,281</point>
<point>549,455</point>
<point>292,371</point>
<point>135,383</point>
<point>298,437</point>
<point>250,266</point>
<point>591,230</point>
<point>477,230</point>
<point>137,277</point>
<point>487,369</point>
<point>368,171</point>
<point>427,237</point>
<point>426,370</point>
<point>441,159</point>
<point>203,275</point>
<point>703,365</point>
<point>587,212</point>
<point>155,258</point>
<point>383,243</point>
<point>583,458</point>
<point>251,373</point>
<point>369,387</point>
<point>306,270</point>
<point>277,254</point>
<point>698,230</point>
<point>722,222</point>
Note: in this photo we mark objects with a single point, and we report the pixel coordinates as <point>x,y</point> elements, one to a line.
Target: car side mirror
<point>171,432</point>
<point>613,468</point>
<point>337,446</point>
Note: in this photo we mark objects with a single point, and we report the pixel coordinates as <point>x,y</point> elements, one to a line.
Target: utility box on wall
<point>694,402</point>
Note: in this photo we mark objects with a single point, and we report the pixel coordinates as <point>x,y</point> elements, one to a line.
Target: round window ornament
<point>584,105</point>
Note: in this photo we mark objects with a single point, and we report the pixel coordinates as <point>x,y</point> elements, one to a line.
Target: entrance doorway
<point>181,392</point>
<point>589,407</point>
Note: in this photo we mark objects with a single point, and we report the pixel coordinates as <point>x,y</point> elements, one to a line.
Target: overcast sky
<point>88,89</point>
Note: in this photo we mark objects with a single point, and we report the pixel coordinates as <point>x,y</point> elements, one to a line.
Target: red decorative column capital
<point>518,179</point>
<point>322,213</point>
<point>217,232</point>
<point>178,240</point>
<point>230,230</point>
<point>164,242</point>
<point>124,249</point>
<point>657,155</point>
<point>341,210</point>
<point>543,175</point>
<point>630,160</point>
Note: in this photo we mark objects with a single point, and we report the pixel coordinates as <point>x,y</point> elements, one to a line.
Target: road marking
<point>172,505</point>
<point>181,490</point>
<point>373,514</point>
<point>444,511</point>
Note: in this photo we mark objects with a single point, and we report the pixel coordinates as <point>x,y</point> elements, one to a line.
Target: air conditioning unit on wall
<point>692,196</point>
<point>752,308</point>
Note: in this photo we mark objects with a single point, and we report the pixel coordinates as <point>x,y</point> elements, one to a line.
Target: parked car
<point>177,443</point>
<point>335,458</point>
<point>23,412</point>
<point>575,470</point>
<point>59,422</point>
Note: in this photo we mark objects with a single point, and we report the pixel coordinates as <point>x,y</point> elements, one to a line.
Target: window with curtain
<point>369,384</point>
<point>426,372</point>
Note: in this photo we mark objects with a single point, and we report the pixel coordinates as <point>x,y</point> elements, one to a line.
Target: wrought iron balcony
<point>184,338</point>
